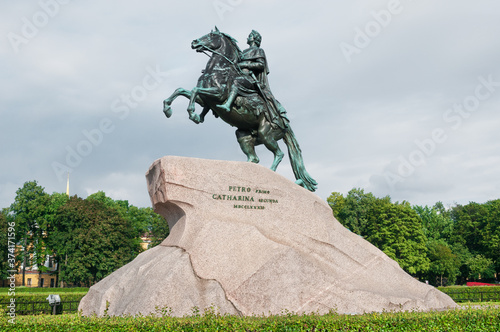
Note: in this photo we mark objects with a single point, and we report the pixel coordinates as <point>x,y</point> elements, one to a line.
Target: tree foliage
<point>144,221</point>
<point>29,209</point>
<point>89,238</point>
<point>394,228</point>
<point>444,263</point>
<point>438,228</point>
<point>438,244</point>
<point>4,242</point>
<point>480,267</point>
<point>436,221</point>
<point>477,227</point>
<point>95,239</point>
<point>353,210</point>
<point>158,227</point>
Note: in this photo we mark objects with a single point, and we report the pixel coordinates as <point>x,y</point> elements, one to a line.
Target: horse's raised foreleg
<point>196,94</point>
<point>167,102</point>
<point>203,113</point>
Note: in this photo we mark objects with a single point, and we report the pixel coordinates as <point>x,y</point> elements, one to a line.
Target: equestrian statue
<point>234,86</point>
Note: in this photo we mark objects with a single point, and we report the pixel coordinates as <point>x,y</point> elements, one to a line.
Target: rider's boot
<point>232,96</point>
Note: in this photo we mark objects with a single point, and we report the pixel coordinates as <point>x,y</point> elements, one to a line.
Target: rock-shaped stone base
<point>248,241</point>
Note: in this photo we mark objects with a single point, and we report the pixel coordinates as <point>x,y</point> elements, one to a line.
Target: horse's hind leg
<point>268,136</point>
<point>247,144</point>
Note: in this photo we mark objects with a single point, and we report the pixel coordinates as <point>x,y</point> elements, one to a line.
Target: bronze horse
<point>247,112</point>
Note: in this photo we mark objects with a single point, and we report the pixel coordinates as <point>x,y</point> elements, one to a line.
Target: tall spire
<point>67,186</point>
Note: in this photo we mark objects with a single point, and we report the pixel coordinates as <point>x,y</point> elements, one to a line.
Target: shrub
<point>472,294</point>
<point>36,303</point>
<point>466,319</point>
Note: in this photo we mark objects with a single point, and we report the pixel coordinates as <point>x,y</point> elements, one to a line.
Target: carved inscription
<point>243,197</point>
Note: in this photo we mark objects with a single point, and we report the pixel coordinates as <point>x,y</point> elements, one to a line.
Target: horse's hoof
<point>195,118</point>
<point>168,112</point>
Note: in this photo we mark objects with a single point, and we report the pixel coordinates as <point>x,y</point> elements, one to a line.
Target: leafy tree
<point>147,223</point>
<point>126,211</point>
<point>352,211</point>
<point>29,213</point>
<point>491,234</point>
<point>436,221</point>
<point>54,203</point>
<point>96,239</point>
<point>396,229</point>
<point>144,220</point>
<point>477,227</point>
<point>438,227</point>
<point>480,267</point>
<point>444,264</point>
<point>158,227</point>
<point>337,203</point>
<point>468,222</point>
<point>100,196</point>
<point>4,243</point>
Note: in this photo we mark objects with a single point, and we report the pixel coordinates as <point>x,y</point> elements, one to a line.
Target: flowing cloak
<point>275,113</point>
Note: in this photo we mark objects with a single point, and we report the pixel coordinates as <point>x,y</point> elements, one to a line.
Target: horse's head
<point>209,42</point>
<point>216,40</point>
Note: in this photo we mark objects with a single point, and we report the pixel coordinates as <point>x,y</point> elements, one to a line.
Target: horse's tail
<point>295,154</point>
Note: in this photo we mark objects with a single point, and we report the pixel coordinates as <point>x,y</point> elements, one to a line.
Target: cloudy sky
<point>398,97</point>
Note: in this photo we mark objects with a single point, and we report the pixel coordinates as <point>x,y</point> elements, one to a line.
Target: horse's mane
<point>233,41</point>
